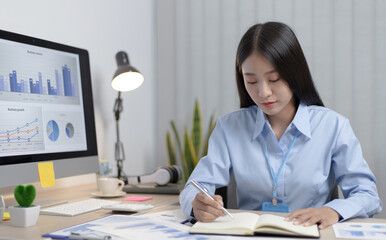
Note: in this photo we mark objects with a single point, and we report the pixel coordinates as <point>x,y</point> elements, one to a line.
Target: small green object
<point>25,195</point>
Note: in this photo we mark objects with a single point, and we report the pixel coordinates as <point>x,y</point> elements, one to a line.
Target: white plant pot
<point>24,216</point>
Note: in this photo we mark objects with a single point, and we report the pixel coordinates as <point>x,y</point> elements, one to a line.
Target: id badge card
<point>280,207</point>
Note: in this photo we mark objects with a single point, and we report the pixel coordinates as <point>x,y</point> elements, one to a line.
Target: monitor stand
<point>171,188</point>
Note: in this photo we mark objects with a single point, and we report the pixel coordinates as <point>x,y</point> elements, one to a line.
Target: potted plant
<point>25,214</point>
<point>194,147</point>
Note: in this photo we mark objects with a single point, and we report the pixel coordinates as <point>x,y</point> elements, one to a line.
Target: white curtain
<point>344,42</point>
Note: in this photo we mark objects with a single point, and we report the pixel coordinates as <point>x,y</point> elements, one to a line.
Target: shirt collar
<point>260,121</point>
<point>301,121</point>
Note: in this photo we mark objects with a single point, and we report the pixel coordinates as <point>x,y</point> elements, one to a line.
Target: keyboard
<point>76,208</point>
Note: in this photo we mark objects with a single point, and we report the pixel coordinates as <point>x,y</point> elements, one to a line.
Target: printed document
<point>356,230</point>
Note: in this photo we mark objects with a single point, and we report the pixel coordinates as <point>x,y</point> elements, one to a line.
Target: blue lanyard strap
<point>275,178</point>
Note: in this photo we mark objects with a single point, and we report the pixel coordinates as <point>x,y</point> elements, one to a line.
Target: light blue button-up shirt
<point>325,151</point>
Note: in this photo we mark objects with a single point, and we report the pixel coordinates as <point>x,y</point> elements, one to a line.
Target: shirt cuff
<point>345,209</point>
<point>186,197</point>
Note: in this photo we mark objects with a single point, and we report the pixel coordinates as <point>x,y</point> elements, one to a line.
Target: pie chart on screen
<point>52,130</point>
<point>69,130</point>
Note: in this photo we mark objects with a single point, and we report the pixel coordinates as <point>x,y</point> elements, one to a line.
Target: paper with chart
<point>162,225</point>
<point>355,230</point>
<point>159,225</point>
<point>175,215</point>
<point>87,228</point>
<point>148,228</point>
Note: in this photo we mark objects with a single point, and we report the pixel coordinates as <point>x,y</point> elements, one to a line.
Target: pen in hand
<point>201,189</point>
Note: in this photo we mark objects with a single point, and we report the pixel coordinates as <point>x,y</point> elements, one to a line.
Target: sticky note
<point>46,174</point>
<point>137,199</point>
<point>6,216</point>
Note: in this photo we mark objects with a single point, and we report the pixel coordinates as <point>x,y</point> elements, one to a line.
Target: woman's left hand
<point>324,216</point>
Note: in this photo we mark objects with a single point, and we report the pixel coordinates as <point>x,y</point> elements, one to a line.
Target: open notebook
<point>246,223</point>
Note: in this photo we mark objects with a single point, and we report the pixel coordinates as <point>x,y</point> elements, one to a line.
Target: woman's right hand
<point>205,209</point>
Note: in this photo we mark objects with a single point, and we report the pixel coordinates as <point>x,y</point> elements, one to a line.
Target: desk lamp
<point>125,79</point>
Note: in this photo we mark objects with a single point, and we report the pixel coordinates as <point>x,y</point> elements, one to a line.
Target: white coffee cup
<point>110,186</point>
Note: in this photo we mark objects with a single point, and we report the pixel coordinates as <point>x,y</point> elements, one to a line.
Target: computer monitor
<point>46,109</point>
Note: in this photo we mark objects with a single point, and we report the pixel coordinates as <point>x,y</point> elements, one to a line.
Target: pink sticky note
<point>137,199</point>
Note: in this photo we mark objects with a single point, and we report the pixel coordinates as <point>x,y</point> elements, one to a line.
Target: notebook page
<point>242,220</point>
<point>277,221</point>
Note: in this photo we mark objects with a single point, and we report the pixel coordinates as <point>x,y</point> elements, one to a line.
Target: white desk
<point>48,224</point>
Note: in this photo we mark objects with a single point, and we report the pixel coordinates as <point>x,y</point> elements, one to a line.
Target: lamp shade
<point>127,77</point>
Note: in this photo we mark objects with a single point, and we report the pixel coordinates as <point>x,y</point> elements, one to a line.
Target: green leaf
<point>170,149</point>
<point>25,195</point>
<point>185,169</point>
<point>190,154</point>
<point>212,125</point>
<point>197,128</point>
<point>177,135</point>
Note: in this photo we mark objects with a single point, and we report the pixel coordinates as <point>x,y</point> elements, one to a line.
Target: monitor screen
<point>46,109</point>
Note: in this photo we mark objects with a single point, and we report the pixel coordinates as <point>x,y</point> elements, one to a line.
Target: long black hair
<point>279,45</point>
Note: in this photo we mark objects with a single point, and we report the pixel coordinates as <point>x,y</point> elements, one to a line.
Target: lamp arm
<point>119,151</point>
<point>118,108</point>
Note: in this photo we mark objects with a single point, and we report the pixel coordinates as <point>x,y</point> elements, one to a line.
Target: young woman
<point>286,150</point>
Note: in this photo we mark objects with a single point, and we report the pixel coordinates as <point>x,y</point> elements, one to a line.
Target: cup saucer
<point>116,194</point>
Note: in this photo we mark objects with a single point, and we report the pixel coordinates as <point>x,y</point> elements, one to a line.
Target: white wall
<point>344,43</point>
<point>103,28</point>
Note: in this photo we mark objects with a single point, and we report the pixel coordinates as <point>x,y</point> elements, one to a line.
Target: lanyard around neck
<point>275,178</point>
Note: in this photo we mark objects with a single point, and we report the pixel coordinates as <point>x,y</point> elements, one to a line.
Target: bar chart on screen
<point>34,74</point>
<point>62,85</point>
